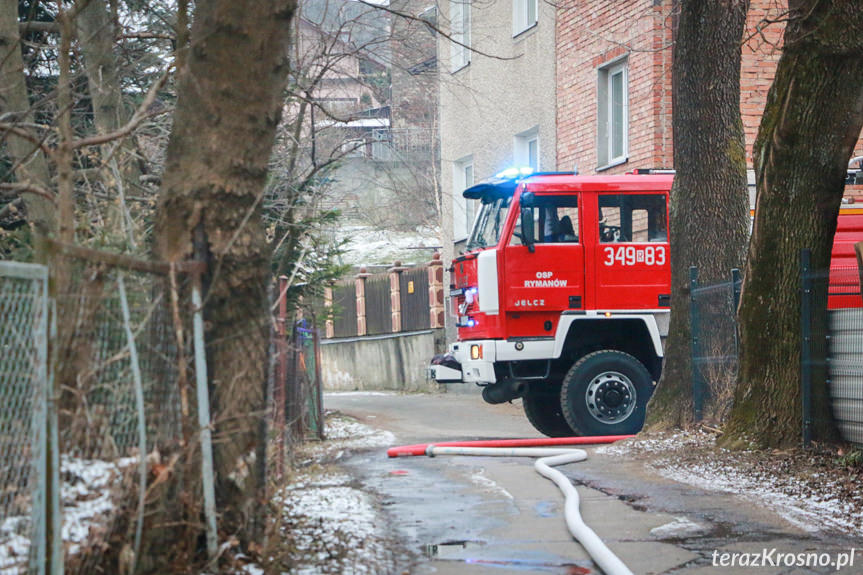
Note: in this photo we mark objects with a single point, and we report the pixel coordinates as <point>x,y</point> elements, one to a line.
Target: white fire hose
<point>550,457</point>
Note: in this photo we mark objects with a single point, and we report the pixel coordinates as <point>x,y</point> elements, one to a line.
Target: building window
<point>613,115</point>
<point>459,13</point>
<point>523,15</point>
<point>464,210</point>
<point>526,152</point>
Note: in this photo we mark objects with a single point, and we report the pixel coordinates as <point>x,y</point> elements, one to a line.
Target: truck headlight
<point>476,351</point>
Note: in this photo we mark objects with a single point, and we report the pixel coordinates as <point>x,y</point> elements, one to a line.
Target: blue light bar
<point>514,173</point>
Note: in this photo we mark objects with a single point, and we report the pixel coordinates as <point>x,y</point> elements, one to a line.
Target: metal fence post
<point>736,285</point>
<point>697,385</point>
<point>139,408</point>
<point>204,421</point>
<point>806,344</point>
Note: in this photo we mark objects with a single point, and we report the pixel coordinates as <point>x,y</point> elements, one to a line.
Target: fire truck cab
<point>562,298</point>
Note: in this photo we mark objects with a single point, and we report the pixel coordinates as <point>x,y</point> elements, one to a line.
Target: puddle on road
<point>455,551</point>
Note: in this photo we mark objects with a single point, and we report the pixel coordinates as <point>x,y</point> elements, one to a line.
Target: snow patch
<point>329,526</point>
<point>350,434</point>
<point>367,245</point>
<point>663,444</point>
<point>88,503</point>
<point>789,497</point>
<point>681,527</point>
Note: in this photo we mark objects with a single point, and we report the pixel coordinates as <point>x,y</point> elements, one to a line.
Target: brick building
<point>614,82</point>
<point>614,72</point>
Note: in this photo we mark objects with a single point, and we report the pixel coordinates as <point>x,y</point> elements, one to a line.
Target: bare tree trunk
<point>229,103</point>
<point>709,201</point>
<point>811,123</point>
<point>29,161</point>
<point>121,171</point>
<point>96,39</point>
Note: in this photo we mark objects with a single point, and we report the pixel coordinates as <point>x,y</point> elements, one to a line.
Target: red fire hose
<point>420,448</point>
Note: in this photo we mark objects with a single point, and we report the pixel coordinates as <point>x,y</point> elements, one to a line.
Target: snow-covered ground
<point>810,492</point>
<point>344,435</point>
<point>88,506</point>
<point>328,525</point>
<point>369,246</point>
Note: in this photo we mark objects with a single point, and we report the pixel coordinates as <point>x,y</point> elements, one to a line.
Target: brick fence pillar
<point>395,273</point>
<point>329,326</point>
<point>360,283</point>
<point>436,297</point>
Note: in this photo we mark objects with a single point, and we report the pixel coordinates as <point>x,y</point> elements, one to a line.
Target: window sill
<point>522,33</point>
<point>611,164</point>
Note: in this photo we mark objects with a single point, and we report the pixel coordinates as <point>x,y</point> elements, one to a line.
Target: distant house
<point>363,114</point>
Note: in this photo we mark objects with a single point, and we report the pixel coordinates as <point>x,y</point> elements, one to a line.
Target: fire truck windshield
<point>489,224</point>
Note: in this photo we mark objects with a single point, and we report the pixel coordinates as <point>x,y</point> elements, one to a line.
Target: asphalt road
<point>474,515</point>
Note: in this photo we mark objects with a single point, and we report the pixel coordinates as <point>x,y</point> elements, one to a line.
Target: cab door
<point>632,256</point>
<point>539,284</point>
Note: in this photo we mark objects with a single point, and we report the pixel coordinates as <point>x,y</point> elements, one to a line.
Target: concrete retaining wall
<point>385,362</point>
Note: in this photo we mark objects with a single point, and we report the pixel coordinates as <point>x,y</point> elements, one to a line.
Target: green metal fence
<point>714,344</point>
<point>831,320</point>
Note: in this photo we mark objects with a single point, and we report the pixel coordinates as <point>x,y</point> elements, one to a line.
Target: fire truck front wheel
<point>542,408</point>
<point>605,393</point>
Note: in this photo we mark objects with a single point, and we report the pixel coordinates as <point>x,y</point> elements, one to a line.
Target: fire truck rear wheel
<point>605,393</point>
<point>542,408</point>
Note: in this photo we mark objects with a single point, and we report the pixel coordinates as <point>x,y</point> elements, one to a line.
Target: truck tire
<point>605,393</point>
<point>542,408</point>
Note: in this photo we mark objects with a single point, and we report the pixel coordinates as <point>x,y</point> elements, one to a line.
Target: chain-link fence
<point>89,431</point>
<point>121,403</point>
<point>305,403</point>
<point>24,388</point>
<point>295,403</point>
<point>713,325</point>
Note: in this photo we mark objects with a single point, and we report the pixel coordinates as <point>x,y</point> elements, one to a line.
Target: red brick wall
<point>761,50</point>
<point>591,32</point>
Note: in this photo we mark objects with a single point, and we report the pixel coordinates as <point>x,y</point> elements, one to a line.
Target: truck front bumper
<point>467,361</point>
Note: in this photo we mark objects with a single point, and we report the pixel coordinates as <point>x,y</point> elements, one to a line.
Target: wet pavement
<point>480,515</point>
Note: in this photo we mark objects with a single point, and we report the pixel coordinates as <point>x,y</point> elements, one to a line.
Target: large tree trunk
<point>709,202</point>
<point>31,165</point>
<point>229,104</point>
<point>811,122</point>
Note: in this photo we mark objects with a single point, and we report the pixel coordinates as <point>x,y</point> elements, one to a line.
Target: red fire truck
<point>562,298</point>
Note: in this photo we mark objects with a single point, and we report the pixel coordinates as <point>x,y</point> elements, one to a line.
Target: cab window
<point>632,218</point>
<point>555,220</point>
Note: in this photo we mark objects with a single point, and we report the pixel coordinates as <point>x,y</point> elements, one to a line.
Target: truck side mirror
<point>527,234</point>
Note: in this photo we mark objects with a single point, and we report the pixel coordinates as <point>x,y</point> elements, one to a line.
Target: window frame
<point>605,140</point>
<point>521,148</point>
<point>460,34</point>
<point>467,207</point>
<point>521,21</point>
